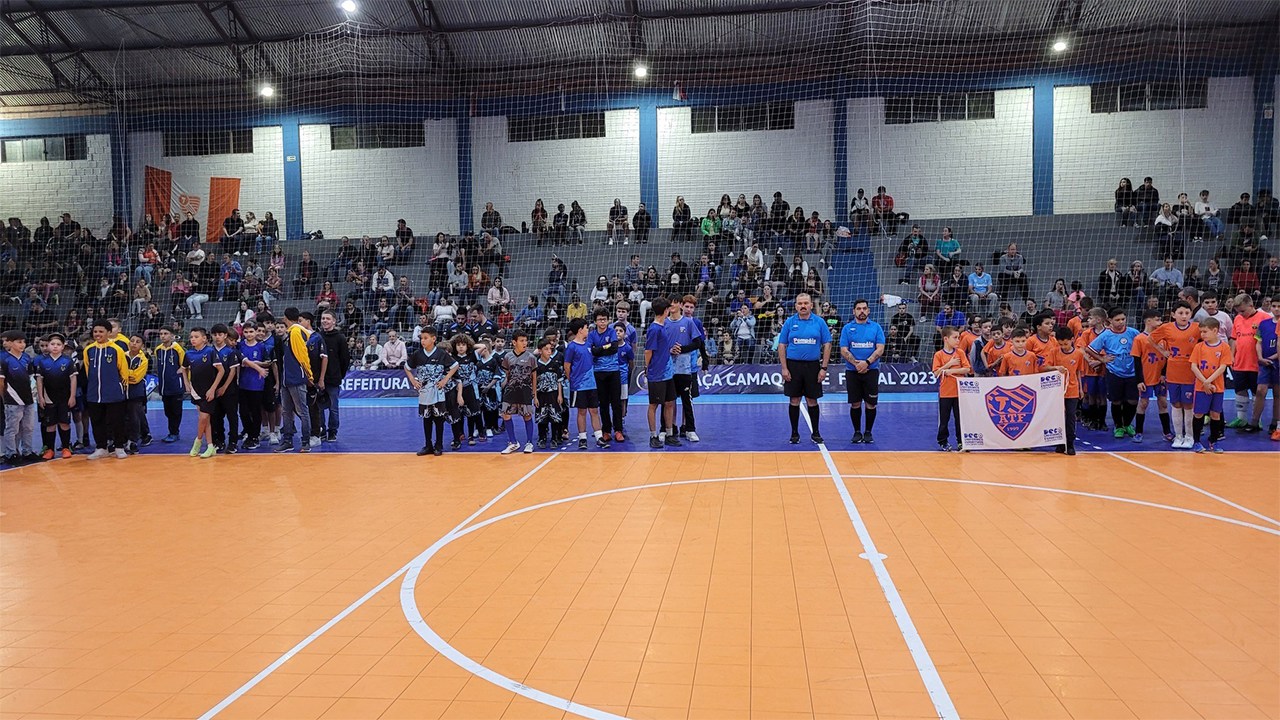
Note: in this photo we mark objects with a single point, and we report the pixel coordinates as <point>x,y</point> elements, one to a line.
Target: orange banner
<point>224,196</point>
<point>157,192</point>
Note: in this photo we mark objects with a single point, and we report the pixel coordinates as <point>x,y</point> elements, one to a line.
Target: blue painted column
<point>1042,147</point>
<point>1264,129</point>
<point>122,172</point>
<point>293,227</point>
<point>649,155</point>
<point>840,146</point>
<point>463,132</point>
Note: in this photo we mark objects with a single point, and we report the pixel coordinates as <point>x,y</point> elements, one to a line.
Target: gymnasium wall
<point>48,189</point>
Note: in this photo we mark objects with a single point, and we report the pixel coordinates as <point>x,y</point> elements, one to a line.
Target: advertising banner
<point>1005,413</point>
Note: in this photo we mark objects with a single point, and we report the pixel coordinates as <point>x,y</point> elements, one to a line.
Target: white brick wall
<point>364,192</point>
<point>798,163</point>
<point>48,189</point>
<point>592,171</point>
<point>261,173</point>
<point>953,169</point>
<point>1182,150</point>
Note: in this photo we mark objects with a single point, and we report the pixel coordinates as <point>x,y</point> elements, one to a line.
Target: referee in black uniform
<point>804,349</point>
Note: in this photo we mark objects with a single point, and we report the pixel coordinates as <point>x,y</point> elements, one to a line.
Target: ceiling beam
<point>427,33</point>
<point>437,26</point>
<point>96,90</point>
<point>634,29</point>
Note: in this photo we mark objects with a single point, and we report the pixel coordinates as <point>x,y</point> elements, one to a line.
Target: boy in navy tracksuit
<point>136,394</point>
<point>106,367</point>
<point>19,405</point>
<point>169,356</point>
<point>226,404</point>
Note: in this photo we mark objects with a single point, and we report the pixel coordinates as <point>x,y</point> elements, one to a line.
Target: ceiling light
<point>266,91</point>
<point>641,71</point>
<point>348,5</point>
<point>1060,46</point>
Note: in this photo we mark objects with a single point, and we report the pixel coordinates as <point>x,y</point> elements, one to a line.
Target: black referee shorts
<point>804,379</point>
<point>862,386</point>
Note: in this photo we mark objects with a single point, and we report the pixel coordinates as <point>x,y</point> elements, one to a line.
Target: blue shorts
<point>1121,389</point>
<point>1182,393</point>
<point>1092,384</point>
<point>1207,403</point>
<point>1155,391</point>
<point>1269,375</point>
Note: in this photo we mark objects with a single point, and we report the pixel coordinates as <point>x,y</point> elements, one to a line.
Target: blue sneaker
<point>170,438</point>
<point>1137,437</point>
<point>1199,448</point>
<point>1215,448</point>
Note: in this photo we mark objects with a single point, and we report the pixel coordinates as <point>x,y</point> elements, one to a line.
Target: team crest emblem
<point>1011,410</point>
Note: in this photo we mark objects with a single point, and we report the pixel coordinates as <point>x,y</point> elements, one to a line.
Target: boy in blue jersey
<point>659,371</point>
<point>579,368</point>
<point>1268,371</point>
<point>19,404</point>
<point>604,341</point>
<point>57,377</point>
<point>626,358</point>
<point>106,369</point>
<point>862,342</point>
<point>136,393</point>
<point>252,380</point>
<point>686,331</point>
<point>169,355</point>
<point>1112,347</point>
<point>204,374</point>
<point>548,394</point>
<point>269,334</point>
<point>226,404</point>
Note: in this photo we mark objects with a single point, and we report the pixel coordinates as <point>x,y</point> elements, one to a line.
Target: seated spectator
<point>632,272</point>
<point>382,286</point>
<point>1056,300</point>
<point>929,287</point>
<point>150,324</point>
<point>775,276</point>
<point>1269,279</point>
<point>1013,275</point>
<point>1113,286</point>
<point>530,316</point>
<point>148,259</point>
<point>1148,201</point>
<point>250,236</point>
<point>1186,214</point>
<point>1138,284</point>
<point>386,251</point>
<point>775,223</point>
<point>812,233</point>
<point>491,220</point>
<point>618,221</point>
<point>1241,212</point>
<point>380,319</point>
<point>343,261</point>
<point>982,296</point>
<point>1245,245</point>
<point>277,259</point>
<point>538,221</point>
<point>904,324</point>
<point>577,221</point>
<point>955,288</point>
<point>196,262</point>
<point>1266,211</point>
<point>1208,214</point>
<point>114,261</point>
<point>1214,279</point>
<point>710,226</point>
<point>560,225</point>
<point>946,251</point>
<point>394,352</point>
<point>498,296</point>
<point>306,276</point>
<point>327,299</point>
<point>272,287</point>
<point>600,291</point>
<point>1167,281</point>
<point>1245,280</point>
<point>179,290</point>
<point>1126,203</point>
<point>556,278</point>
<point>731,229</point>
<point>642,222</point>
<point>813,284</point>
<point>232,235</point>
<point>371,355</point>
<point>913,254</point>
<point>860,212</point>
<point>795,228</point>
<point>404,246</point>
<point>120,232</point>
<point>352,319</point>
<point>491,253</point>
<point>229,279</point>
<point>1166,229</point>
<point>268,231</point>
<point>1029,313</point>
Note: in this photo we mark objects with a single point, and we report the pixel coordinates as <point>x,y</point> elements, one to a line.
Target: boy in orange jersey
<point>1019,360</point>
<point>1041,339</point>
<point>1209,361</point>
<point>1093,412</point>
<point>1244,366</point>
<point>1175,340</point>
<point>1069,360</point>
<point>1080,320</point>
<point>970,334</point>
<point>996,348</point>
<point>1151,383</point>
<point>948,364</point>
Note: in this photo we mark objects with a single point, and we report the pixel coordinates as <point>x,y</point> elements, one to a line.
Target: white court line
<point>924,664</point>
<point>1189,486</point>
<point>352,607</point>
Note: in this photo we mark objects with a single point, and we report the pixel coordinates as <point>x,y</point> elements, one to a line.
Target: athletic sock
<point>1176,417</point>
<point>793,411</point>
<point>1217,429</point>
<point>871,419</point>
<point>1117,415</point>
<point>814,415</point>
<point>65,434</point>
<point>1188,418</point>
<point>599,434</point>
<point>426,431</point>
<point>1129,412</point>
<point>1242,406</point>
<point>1197,427</point>
<point>855,415</point>
<point>1164,422</point>
<point>528,431</point>
<point>511,432</point>
<point>1139,419</point>
<point>46,436</point>
<point>582,436</point>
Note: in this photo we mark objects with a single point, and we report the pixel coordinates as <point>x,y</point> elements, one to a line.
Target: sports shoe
<point>582,443</point>
<point>426,450</point>
<point>1238,422</point>
<point>488,433</point>
<point>867,439</point>
<point>618,436</point>
<point>438,451</point>
<point>1071,450</point>
<point>471,441</point>
<point>542,443</point>
<point>602,442</point>
<point>284,447</point>
<point>1215,448</point>
<point>274,438</point>
<point>817,439</point>
<point>1137,437</point>
<point>252,444</point>
<point>66,453</point>
<point>121,454</point>
<point>1275,435</point>
<point>209,452</point>
<point>794,439</point>
<point>195,448</point>
<point>47,454</point>
<point>672,441</point>
<point>170,439</point>
<point>331,437</point>
<point>1168,437</point>
<point>654,443</point>
<point>1251,428</point>
<point>145,441</point>
<point>1199,448</point>
<point>1119,433</point>
<point>510,448</point>
<point>528,448</point>
<point>304,449</point>
<point>455,445</point>
<point>944,447</point>
<point>691,436</point>
<point>1128,430</point>
<point>315,441</point>
<point>857,439</point>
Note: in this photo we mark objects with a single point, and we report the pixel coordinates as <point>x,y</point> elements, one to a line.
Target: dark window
<point>782,116</point>
<point>242,141</point>
<point>729,119</point>
<point>1155,95</point>
<point>555,127</point>
<point>924,108</point>
<point>376,136</point>
<point>593,125</point>
<point>342,137</point>
<point>702,120</point>
<point>77,147</point>
<point>1104,97</point>
<point>982,106</point>
<point>953,106</point>
<point>742,118</point>
<point>208,142</point>
<point>49,149</point>
<point>897,110</point>
<point>1133,96</point>
<point>755,117</point>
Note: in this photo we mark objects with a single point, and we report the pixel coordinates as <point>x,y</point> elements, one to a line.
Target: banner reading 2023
<point>1005,413</point>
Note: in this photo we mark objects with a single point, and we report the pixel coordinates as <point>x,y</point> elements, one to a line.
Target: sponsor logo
<point>1050,380</point>
<point>973,439</point>
<point>1011,409</point>
<point>1053,435</point>
<point>969,387</point>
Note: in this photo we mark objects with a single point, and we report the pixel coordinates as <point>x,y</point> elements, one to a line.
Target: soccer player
<point>430,369</point>
<point>948,364</point>
<point>1042,340</point>
<point>1244,365</point>
<point>57,378</point>
<point>994,350</point>
<point>519,375</point>
<point>295,377</point>
<point>578,366</point>
<point>136,393</point>
<point>19,405</point>
<point>804,350</point>
<point>861,345</point>
<point>204,374</point>
<point>251,379</point>
<point>226,403</point>
<point>489,385</point>
<point>1268,371</point>
<point>1019,360</point>
<point>106,369</point>
<point>1175,340</point>
<point>270,334</point>
<point>659,370</point>
<point>621,312</point>
<point>1067,359</point>
<point>691,337</point>
<point>602,339</point>
<point>464,402</point>
<point>1209,361</point>
<point>1113,347</point>
<point>1151,382</point>
<point>169,355</point>
<point>549,397</point>
<point>1094,404</point>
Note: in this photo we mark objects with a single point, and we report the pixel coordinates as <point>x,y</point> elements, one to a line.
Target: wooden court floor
<point>712,585</point>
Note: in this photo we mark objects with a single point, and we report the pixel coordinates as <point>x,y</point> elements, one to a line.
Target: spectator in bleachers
<point>742,332</point>
<point>404,247</point>
<point>779,211</point>
<point>710,227</point>
<point>1113,286</point>
<point>576,309</point>
<point>69,228</point>
<point>914,253</point>
<point>1126,203</point>
<point>795,229</point>
<point>1186,214</point>
<point>120,231</point>
<point>775,276</point>
<point>386,251</point>
<point>1269,279</point>
<point>538,221</point>
<point>380,318</point>
<point>600,291</point>
<point>490,219</point>
<point>43,237</point>
<point>813,284</point>
<point>17,235</point>
<point>272,287</point>
<point>1213,279</point>
<point>860,212</point>
<point>678,267</point>
<point>1013,274</point>
<point>1266,211</point>
<point>371,354</point>
<point>529,318</point>
<point>114,261</point>
<point>141,297</point>
<point>955,288</point>
<point>148,259</point>
<point>196,263</point>
<point>394,352</point>
<point>148,230</point>
<point>632,272</point>
<point>352,319</point>
<point>560,225</point>
<point>1148,201</point>
<point>750,222</point>
<point>328,298</point>
<point>642,222</point>
<point>252,234</point>
<point>812,233</point>
<point>577,221</point>
<point>618,216</point>
<point>830,241</point>
<point>731,229</point>
<point>556,278</point>
<point>229,278</point>
<point>726,204</point>
<point>1166,229</point>
<point>1208,214</point>
<point>947,317</point>
<point>1245,244</point>
<point>268,231</point>
<point>498,296</point>
<point>1245,280</point>
<point>478,282</point>
<point>277,259</point>
<point>308,271</point>
<point>368,253</point>
<point>1243,211</point>
<point>1138,286</point>
<point>929,288</point>
<point>1056,300</point>
<point>492,253</point>
<point>342,261</point>
<point>982,296</point>
<point>1166,281</point>
<point>946,251</point>
<point>742,206</point>
<point>195,303</point>
<point>232,232</point>
<point>883,213</point>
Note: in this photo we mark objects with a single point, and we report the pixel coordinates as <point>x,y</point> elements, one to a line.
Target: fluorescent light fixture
<point>266,91</point>
<point>1060,46</point>
<point>348,5</point>
<point>641,71</point>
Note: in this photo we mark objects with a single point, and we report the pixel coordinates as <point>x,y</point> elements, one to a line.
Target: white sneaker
<point>120,453</point>
<point>98,454</point>
<point>691,436</point>
<point>528,448</point>
<point>1185,443</point>
<point>488,433</point>
<point>275,438</point>
<point>610,241</point>
<point>626,242</point>
<point>315,441</point>
<point>510,448</point>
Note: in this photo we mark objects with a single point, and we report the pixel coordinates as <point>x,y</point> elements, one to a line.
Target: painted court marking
<point>1189,486</point>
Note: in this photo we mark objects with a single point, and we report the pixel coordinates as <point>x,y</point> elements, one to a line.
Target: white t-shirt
<point>1205,210</point>
<point>1224,320</point>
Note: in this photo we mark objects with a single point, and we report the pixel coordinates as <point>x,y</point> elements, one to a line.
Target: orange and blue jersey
<point>1040,348</point>
<point>1207,359</point>
<point>947,387</point>
<point>1074,364</point>
<point>1179,341</point>
<point>1150,360</point>
<point>992,353</point>
<point>1028,363</point>
<point>106,368</point>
